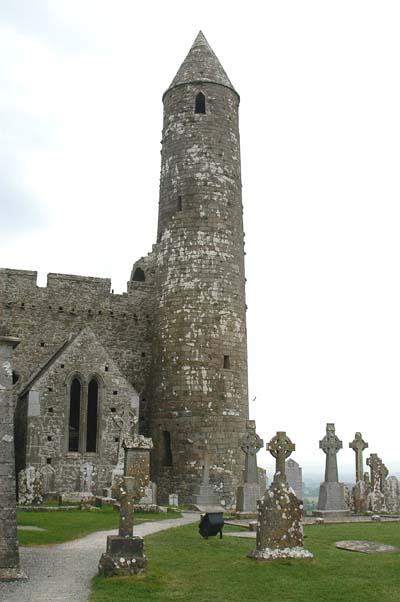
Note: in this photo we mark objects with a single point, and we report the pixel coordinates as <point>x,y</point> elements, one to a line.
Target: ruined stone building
<point>173,346</point>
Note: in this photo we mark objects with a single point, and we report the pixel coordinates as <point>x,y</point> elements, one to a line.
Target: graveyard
<point>128,461</point>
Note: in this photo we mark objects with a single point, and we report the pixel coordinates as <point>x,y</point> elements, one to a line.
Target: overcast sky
<point>80,124</point>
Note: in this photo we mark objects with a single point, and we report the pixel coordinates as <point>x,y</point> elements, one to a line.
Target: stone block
<point>247,496</point>
<point>331,500</point>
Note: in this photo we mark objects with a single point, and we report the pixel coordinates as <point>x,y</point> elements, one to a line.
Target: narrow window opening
<point>15,377</point>
<point>91,428</point>
<point>105,368</point>
<point>138,275</point>
<point>50,410</point>
<point>48,460</point>
<point>49,438</point>
<point>200,106</point>
<point>115,392</point>
<point>113,410</point>
<point>227,363</point>
<point>166,452</point>
<point>74,415</point>
<point>179,203</point>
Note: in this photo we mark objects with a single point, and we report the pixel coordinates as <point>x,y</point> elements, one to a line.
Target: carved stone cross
<point>251,443</point>
<point>126,423</point>
<point>280,448</point>
<point>375,464</point>
<point>330,445</point>
<point>358,445</point>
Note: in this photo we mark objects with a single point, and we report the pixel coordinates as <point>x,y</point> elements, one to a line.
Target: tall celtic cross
<point>330,445</point>
<point>250,444</point>
<point>280,447</point>
<point>358,445</point>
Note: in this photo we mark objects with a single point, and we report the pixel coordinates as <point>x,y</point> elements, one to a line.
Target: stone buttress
<point>199,372</point>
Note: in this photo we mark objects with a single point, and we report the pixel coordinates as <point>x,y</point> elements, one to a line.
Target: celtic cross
<point>358,445</point>
<point>280,447</point>
<point>330,445</point>
<point>250,444</point>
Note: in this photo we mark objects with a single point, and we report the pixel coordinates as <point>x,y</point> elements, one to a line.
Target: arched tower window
<point>200,105</point>
<point>74,415</point>
<point>138,275</point>
<point>91,417</point>
<point>166,451</point>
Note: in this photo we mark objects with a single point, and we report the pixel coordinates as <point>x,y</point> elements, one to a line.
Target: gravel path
<point>62,573</point>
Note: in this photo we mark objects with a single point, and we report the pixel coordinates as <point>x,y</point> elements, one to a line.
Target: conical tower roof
<point>201,65</point>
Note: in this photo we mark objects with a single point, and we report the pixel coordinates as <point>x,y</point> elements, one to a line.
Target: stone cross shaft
<point>358,445</point>
<point>126,423</point>
<point>375,463</point>
<point>126,497</point>
<point>330,445</point>
<point>250,445</point>
<point>280,447</point>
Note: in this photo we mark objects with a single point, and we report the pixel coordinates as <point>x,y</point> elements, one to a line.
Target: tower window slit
<point>227,363</point>
<point>179,203</point>
<point>166,451</point>
<point>200,104</point>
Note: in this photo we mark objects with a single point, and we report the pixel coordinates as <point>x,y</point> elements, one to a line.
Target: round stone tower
<point>199,404</point>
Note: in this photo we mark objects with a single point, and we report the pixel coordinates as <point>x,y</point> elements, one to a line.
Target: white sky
<point>80,124</point>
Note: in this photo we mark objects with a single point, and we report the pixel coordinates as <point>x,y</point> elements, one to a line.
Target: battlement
<point>87,284</point>
<point>17,278</point>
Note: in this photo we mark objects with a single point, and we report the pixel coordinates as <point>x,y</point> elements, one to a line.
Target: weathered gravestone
<point>279,528</point>
<point>125,552</point>
<point>30,486</point>
<point>206,499</point>
<point>331,500</point>
<point>360,490</point>
<point>294,475</point>
<point>48,481</point>
<point>376,498</point>
<point>9,555</point>
<point>391,492</point>
<point>250,491</point>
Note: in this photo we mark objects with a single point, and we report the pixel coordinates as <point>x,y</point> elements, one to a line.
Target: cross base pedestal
<point>124,557</point>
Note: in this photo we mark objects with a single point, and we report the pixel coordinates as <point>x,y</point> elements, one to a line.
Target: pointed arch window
<point>139,275</point>
<point>91,416</point>
<point>200,104</point>
<point>74,415</point>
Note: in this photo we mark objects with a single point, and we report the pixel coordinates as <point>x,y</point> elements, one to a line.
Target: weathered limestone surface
<point>360,492</point>
<point>9,556</point>
<point>358,445</point>
<point>279,528</point>
<point>331,500</point>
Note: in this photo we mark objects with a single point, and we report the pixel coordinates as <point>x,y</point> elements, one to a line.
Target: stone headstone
<point>376,499</point>
<point>48,479</point>
<point>9,553</point>
<point>137,462</point>
<point>294,475</point>
<point>250,491</point>
<point>173,499</point>
<point>206,499</point>
<point>392,495</point>
<point>360,497</point>
<point>279,529</point>
<point>87,478</point>
<point>30,486</point>
<point>149,497</point>
<point>331,500</point>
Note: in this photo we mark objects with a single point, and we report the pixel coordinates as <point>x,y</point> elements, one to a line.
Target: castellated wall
<point>200,398</point>
<point>44,317</point>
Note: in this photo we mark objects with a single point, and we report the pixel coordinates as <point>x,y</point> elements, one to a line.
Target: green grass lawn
<point>71,524</point>
<point>183,567</point>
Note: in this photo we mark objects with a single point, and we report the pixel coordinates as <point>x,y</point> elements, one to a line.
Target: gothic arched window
<point>74,415</point>
<point>200,105</point>
<point>91,416</point>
